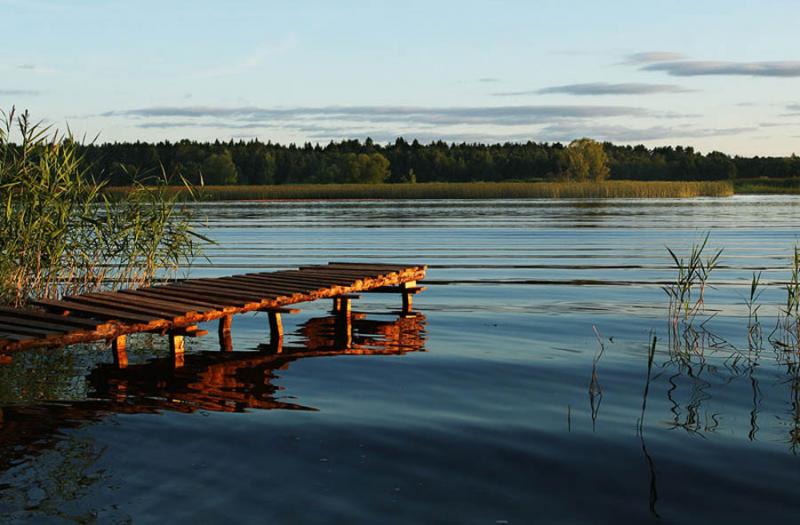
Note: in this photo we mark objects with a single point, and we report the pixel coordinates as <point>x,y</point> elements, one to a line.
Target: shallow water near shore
<point>482,408</point>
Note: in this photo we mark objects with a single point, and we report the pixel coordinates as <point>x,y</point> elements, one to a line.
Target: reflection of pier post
<point>241,380</point>
<point>275,331</point>
<point>176,348</point>
<point>343,331</point>
<point>118,349</point>
<point>343,324</point>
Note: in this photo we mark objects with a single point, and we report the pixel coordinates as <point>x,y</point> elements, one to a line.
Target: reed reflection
<point>699,363</point>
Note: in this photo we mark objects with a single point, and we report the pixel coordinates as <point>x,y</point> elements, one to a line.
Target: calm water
<point>481,409</point>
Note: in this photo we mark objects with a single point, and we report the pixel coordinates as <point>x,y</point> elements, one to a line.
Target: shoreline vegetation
<point>62,235</point>
<point>456,190</point>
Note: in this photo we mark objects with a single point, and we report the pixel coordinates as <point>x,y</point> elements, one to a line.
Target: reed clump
<point>687,300</point>
<point>687,293</point>
<point>463,190</point>
<point>768,186</point>
<point>60,233</point>
<point>786,334</point>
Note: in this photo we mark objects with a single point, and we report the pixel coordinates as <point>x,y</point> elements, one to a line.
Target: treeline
<point>352,161</point>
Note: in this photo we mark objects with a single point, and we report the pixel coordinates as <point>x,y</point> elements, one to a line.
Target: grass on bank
<point>465,190</point>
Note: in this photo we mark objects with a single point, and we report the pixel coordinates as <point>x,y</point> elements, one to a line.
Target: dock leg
<point>275,331</point>
<point>337,304</point>
<point>407,303</point>
<point>225,341</point>
<point>176,348</point>
<point>408,296</point>
<point>344,306</point>
<point>118,349</point>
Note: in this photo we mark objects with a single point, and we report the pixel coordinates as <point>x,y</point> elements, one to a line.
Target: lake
<point>521,391</point>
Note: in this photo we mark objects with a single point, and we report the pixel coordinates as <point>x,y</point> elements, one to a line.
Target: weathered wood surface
<point>174,307</point>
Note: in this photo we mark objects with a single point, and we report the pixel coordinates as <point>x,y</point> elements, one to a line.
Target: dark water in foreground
<point>481,409</point>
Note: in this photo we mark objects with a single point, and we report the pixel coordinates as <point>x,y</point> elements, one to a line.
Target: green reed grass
<point>687,299</point>
<point>59,232</point>
<point>687,293</point>
<point>787,186</point>
<point>754,334</point>
<point>786,335</point>
<point>464,190</point>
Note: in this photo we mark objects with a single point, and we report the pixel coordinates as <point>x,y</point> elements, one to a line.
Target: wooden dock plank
<point>180,297</point>
<point>286,283</point>
<point>340,274</point>
<point>267,289</point>
<point>95,312</point>
<point>15,337</point>
<point>26,330</point>
<point>46,325</point>
<point>250,289</point>
<point>233,297</point>
<point>370,267</point>
<point>305,279</point>
<point>157,313</point>
<point>274,284</point>
<point>229,284</point>
<point>309,278</point>
<point>156,303</point>
<point>44,316</point>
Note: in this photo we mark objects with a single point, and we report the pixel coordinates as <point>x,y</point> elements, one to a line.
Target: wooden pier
<point>175,309</point>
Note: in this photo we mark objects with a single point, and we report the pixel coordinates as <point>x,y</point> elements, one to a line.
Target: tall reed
<point>754,334</point>
<point>787,331</point>
<point>60,234</point>
<point>687,293</point>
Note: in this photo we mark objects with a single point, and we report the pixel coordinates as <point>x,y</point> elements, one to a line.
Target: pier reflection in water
<point>233,381</point>
<point>222,381</point>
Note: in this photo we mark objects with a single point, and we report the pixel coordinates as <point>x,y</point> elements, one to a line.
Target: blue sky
<point>714,74</point>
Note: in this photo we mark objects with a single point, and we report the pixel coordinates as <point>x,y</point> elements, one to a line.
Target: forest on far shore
<point>352,161</point>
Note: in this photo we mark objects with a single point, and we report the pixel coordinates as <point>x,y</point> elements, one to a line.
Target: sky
<point>713,74</point>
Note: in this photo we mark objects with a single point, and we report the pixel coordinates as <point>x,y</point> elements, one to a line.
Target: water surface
<point>482,408</point>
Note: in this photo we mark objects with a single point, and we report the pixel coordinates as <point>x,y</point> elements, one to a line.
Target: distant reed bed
<point>465,190</point>
<point>790,186</point>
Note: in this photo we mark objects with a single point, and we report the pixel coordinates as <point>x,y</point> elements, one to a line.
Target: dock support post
<point>407,303</point>
<point>275,331</point>
<point>408,296</point>
<point>344,306</point>
<point>118,349</point>
<point>225,341</point>
<point>176,347</point>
